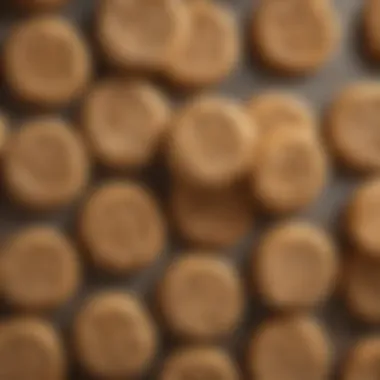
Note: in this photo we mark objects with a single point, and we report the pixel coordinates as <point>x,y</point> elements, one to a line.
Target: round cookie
<point>290,173</point>
<point>353,126</point>
<point>122,227</point>
<point>198,362</point>
<point>201,297</point>
<point>211,142</point>
<point>211,50</point>
<point>45,164</point>
<point>124,122</point>
<point>30,349</point>
<point>361,288</point>
<point>289,348</point>
<point>141,34</point>
<point>363,218</point>
<point>114,336</point>
<point>39,269</point>
<point>371,20</point>
<point>46,61</point>
<point>295,37</point>
<point>39,5</point>
<point>273,111</point>
<point>212,218</point>
<point>363,359</point>
<point>295,266</point>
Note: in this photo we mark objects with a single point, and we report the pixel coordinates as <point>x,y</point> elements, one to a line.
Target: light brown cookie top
<point>289,348</point>
<point>362,361</point>
<point>212,142</point>
<point>39,5</point>
<point>114,336</point>
<point>30,349</point>
<point>211,50</point>
<point>291,172</point>
<point>122,227</point>
<point>45,164</point>
<point>201,297</point>
<point>39,269</point>
<point>295,36</point>
<point>363,218</point>
<point>211,218</point>
<point>295,266</point>
<point>124,122</point>
<point>353,126</point>
<point>141,34</point>
<point>275,110</point>
<point>196,362</point>
<point>46,61</point>
<point>361,287</point>
<point>371,20</point>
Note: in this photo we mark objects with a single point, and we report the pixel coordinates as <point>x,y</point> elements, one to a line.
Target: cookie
<point>200,297</point>
<point>363,360</point>
<point>291,172</point>
<point>46,61</point>
<point>124,122</point>
<point>361,287</point>
<point>371,35</point>
<point>45,164</point>
<point>122,227</point>
<point>211,50</point>
<point>4,132</point>
<point>363,218</point>
<point>275,110</point>
<point>30,349</point>
<point>114,336</point>
<point>295,266</point>
<point>211,143</point>
<point>211,218</point>
<point>294,348</point>
<point>295,37</point>
<point>39,269</point>
<point>140,34</point>
<point>199,361</point>
<point>353,126</point>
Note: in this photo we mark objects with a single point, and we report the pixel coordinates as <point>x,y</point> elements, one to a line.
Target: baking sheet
<point>347,65</point>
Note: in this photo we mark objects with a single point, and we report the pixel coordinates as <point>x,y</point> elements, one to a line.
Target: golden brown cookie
<point>141,34</point>
<point>124,122</point>
<point>295,36</point>
<point>295,266</point>
<point>371,20</point>
<point>30,349</point>
<point>39,5</point>
<point>211,50</point>
<point>39,269</point>
<point>361,287</point>
<point>46,61</point>
<point>211,218</point>
<point>122,227</point>
<point>290,173</point>
<point>353,126</point>
<point>275,110</point>
<point>211,142</point>
<point>197,362</point>
<point>289,348</point>
<point>114,336</point>
<point>201,297</point>
<point>45,164</point>
<point>363,359</point>
<point>363,218</point>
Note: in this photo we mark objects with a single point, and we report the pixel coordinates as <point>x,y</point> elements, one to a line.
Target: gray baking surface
<point>347,65</point>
